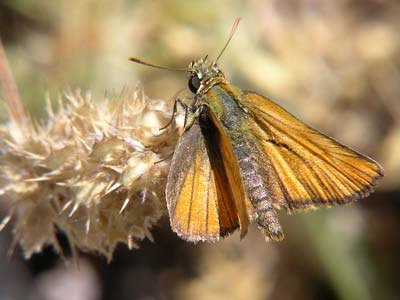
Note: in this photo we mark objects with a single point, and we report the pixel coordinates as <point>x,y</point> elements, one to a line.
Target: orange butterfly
<point>241,157</point>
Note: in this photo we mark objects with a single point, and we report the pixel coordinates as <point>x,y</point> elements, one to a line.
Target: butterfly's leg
<point>193,112</point>
<point>174,111</point>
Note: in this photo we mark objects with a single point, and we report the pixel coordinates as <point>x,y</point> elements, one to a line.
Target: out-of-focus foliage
<point>335,64</point>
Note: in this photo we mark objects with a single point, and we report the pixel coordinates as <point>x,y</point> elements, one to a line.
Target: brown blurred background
<point>334,64</point>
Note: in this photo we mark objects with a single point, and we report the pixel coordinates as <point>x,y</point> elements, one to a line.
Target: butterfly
<point>242,157</point>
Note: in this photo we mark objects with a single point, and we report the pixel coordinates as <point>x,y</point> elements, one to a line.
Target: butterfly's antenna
<point>235,25</point>
<point>139,61</point>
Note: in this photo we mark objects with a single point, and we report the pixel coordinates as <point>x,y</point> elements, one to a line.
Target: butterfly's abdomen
<point>252,179</point>
<point>255,185</point>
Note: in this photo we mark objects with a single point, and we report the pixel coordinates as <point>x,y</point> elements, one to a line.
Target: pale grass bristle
<point>95,171</point>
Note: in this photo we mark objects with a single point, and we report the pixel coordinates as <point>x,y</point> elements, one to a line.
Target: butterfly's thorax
<point>222,100</point>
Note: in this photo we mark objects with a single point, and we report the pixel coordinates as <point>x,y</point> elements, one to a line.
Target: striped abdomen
<point>254,181</point>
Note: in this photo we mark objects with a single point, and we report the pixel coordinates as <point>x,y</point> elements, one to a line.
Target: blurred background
<point>334,64</point>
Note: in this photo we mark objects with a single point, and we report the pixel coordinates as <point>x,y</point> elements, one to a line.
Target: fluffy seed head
<point>95,172</point>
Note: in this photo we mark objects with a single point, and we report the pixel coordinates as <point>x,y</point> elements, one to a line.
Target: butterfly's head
<point>203,74</point>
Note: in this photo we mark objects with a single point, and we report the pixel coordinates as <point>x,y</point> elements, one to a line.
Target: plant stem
<point>14,104</point>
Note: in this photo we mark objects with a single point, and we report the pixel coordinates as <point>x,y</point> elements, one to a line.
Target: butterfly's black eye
<point>194,84</point>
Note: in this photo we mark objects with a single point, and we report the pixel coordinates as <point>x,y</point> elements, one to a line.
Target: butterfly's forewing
<point>226,169</point>
<point>306,169</point>
<point>200,199</point>
<point>191,190</point>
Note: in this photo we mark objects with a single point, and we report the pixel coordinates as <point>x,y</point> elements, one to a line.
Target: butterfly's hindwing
<point>310,168</point>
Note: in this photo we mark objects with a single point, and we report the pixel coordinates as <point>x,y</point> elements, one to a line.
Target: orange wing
<point>202,195</point>
<point>305,168</point>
